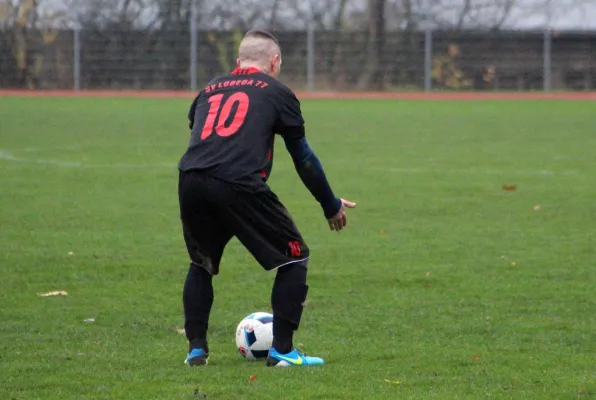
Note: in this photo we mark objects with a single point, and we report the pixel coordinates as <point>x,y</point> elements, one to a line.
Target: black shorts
<point>213,211</point>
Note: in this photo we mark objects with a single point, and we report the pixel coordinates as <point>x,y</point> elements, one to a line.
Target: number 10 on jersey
<point>219,114</point>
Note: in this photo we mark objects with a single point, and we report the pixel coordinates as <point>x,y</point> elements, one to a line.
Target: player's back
<point>234,120</point>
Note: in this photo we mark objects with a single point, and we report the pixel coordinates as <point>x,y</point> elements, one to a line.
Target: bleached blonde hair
<point>257,49</point>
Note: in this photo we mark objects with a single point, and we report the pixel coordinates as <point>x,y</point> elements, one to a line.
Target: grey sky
<point>526,14</point>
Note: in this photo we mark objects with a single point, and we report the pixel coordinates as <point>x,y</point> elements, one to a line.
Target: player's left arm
<point>311,172</point>
<point>308,166</point>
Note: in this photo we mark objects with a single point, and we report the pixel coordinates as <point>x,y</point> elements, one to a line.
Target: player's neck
<point>252,67</point>
<point>249,65</point>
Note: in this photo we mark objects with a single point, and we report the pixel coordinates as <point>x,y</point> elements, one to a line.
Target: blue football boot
<point>197,357</point>
<point>291,359</point>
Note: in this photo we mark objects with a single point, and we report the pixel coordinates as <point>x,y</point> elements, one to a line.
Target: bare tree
<point>462,14</point>
<point>335,56</point>
<point>29,25</point>
<point>372,75</point>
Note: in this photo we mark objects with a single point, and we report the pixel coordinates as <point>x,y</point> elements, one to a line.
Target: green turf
<point>444,282</point>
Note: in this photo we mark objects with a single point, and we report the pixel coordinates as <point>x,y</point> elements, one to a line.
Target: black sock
<point>197,299</point>
<point>283,332</point>
<point>198,343</point>
<point>287,299</point>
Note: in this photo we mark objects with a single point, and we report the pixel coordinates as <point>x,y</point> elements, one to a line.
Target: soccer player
<point>223,193</point>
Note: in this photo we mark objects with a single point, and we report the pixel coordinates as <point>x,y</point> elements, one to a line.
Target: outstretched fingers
<point>348,204</point>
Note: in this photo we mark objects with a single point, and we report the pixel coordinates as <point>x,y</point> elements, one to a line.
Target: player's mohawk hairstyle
<point>260,33</point>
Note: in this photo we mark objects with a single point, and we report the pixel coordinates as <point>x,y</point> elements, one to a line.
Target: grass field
<point>445,286</point>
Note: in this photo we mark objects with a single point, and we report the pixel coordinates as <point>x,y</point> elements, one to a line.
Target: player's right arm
<point>192,111</point>
<point>291,127</point>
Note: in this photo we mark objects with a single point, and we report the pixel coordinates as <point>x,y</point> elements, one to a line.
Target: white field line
<point>10,156</point>
<point>474,171</point>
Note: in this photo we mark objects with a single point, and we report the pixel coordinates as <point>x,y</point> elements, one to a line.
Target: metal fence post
<point>310,51</point>
<point>77,58</point>
<point>547,66</point>
<point>428,55</point>
<point>193,47</point>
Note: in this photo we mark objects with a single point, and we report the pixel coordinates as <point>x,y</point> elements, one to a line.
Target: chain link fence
<point>186,59</point>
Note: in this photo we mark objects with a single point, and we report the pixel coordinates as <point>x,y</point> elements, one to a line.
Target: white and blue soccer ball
<point>254,336</point>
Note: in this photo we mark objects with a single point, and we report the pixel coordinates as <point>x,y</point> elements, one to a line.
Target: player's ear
<point>276,64</point>
<point>238,62</point>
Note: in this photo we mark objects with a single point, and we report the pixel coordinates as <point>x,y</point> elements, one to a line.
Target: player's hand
<point>340,220</point>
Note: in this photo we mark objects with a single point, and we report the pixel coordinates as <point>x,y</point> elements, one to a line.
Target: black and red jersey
<point>234,120</point>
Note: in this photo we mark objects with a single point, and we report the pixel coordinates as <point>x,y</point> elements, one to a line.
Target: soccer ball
<point>254,336</point>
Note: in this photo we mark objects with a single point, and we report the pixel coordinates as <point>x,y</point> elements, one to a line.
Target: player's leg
<point>205,237</point>
<point>287,298</point>
<point>197,298</point>
<point>266,229</point>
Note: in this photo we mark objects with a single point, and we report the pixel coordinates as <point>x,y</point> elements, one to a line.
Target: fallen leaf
<point>537,207</point>
<point>513,263</point>
<point>383,232</point>
<point>509,187</point>
<point>70,253</point>
<point>427,274</point>
<point>300,345</point>
<point>475,357</point>
<point>252,378</point>
<point>90,320</point>
<point>392,382</point>
<point>56,293</point>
